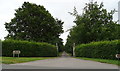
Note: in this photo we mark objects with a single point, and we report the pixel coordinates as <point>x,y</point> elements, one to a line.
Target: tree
<point>95,24</point>
<point>34,23</point>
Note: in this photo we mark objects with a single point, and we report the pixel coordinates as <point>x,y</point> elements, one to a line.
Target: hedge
<point>28,49</point>
<point>101,49</point>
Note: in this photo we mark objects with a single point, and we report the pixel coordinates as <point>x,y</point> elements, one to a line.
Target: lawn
<point>13,60</point>
<point>116,62</point>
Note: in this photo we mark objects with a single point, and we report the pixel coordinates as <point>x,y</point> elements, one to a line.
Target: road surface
<point>64,62</point>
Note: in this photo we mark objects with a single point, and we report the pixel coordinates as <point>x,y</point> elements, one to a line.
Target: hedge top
<point>28,48</point>
<point>115,42</point>
<point>28,42</point>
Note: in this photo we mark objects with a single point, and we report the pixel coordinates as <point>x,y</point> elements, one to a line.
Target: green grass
<point>116,62</point>
<point>13,60</point>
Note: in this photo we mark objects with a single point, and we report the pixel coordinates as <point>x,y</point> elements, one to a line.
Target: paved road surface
<point>61,63</point>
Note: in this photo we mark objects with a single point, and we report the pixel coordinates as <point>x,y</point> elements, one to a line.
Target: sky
<point>58,9</point>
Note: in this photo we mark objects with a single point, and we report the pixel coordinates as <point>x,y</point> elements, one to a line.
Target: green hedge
<point>102,49</point>
<point>28,49</point>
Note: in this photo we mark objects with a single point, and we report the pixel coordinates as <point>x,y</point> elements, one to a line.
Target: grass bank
<point>13,60</point>
<point>116,62</point>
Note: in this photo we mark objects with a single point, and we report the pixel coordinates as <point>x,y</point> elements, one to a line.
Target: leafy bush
<point>101,49</point>
<point>29,49</point>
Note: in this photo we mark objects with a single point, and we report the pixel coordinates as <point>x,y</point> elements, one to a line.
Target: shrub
<point>29,49</point>
<point>101,49</point>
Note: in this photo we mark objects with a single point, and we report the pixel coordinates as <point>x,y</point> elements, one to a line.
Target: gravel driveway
<point>61,63</point>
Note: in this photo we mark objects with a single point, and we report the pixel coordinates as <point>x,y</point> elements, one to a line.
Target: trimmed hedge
<point>28,49</point>
<point>101,49</point>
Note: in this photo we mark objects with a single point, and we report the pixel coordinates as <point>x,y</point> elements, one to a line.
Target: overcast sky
<point>58,8</point>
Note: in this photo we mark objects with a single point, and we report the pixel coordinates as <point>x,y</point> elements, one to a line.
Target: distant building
<point>119,12</point>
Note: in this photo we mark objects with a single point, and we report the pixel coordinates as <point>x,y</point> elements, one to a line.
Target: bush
<point>28,49</point>
<point>101,49</point>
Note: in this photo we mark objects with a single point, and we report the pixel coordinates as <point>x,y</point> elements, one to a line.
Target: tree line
<point>34,23</point>
<point>94,24</point>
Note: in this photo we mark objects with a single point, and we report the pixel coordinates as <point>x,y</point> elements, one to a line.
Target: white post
<point>57,48</point>
<point>73,49</point>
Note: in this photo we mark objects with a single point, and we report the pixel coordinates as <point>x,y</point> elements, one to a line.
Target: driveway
<point>61,63</point>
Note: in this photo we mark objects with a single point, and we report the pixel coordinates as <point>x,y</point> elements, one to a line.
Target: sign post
<point>118,56</point>
<point>16,52</point>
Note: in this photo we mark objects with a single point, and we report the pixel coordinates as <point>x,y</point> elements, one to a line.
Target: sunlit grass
<point>13,60</point>
<point>116,62</point>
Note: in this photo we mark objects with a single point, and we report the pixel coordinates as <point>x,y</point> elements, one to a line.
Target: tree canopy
<point>94,24</point>
<point>34,23</point>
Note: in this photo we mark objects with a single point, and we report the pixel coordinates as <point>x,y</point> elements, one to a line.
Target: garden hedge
<point>28,49</point>
<point>101,49</point>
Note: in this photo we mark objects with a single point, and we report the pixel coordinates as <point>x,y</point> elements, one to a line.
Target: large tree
<point>94,24</point>
<point>34,23</point>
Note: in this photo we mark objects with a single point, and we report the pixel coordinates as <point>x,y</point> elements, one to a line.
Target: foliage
<point>34,23</point>
<point>94,24</point>
<point>28,49</point>
<point>69,45</point>
<point>101,49</point>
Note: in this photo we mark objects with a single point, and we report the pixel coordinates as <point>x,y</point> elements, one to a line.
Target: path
<point>62,63</point>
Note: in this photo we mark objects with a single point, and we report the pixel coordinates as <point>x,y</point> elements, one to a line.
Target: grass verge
<point>116,62</point>
<point>13,60</point>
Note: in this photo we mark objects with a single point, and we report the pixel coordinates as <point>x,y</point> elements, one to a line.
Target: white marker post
<point>118,56</point>
<point>57,48</point>
<point>73,49</point>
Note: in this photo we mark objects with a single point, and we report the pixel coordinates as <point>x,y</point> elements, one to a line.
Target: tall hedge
<point>102,49</point>
<point>28,49</point>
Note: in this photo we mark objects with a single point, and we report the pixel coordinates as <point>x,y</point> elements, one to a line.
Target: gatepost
<point>73,49</point>
<point>118,56</point>
<point>57,49</point>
